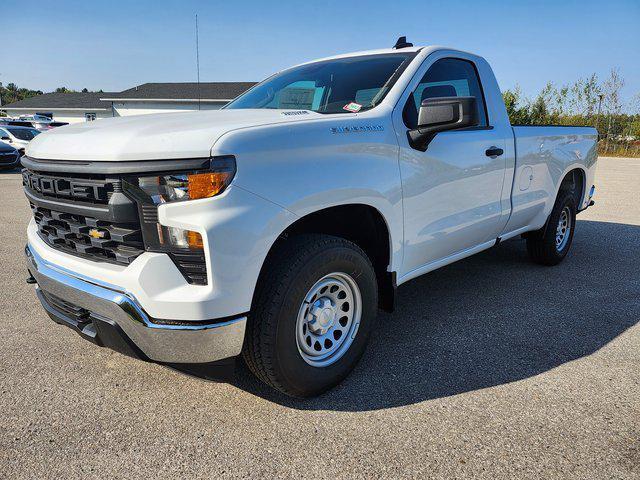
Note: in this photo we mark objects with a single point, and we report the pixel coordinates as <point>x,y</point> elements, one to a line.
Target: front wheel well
<point>361,224</point>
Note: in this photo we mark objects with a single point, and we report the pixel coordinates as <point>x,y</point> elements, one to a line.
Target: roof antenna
<point>402,43</point>
<point>198,60</point>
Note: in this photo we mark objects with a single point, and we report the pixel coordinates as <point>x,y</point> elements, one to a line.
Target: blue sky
<point>113,45</point>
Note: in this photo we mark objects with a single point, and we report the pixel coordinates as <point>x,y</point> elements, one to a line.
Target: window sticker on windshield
<point>352,107</point>
<point>296,98</point>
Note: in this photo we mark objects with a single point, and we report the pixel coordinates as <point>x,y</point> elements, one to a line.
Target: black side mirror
<point>5,139</point>
<point>441,114</point>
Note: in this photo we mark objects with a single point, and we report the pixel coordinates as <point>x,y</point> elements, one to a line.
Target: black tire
<point>270,349</point>
<point>541,244</point>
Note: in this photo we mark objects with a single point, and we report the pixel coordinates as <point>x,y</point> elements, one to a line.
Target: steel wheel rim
<point>328,319</point>
<point>563,229</point>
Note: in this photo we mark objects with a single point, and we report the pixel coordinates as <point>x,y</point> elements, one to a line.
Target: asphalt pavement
<point>492,367</point>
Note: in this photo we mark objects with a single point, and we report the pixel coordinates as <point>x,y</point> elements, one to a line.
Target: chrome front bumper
<point>159,340</point>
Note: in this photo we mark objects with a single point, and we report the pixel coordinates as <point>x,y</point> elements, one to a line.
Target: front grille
<point>89,237</point>
<point>85,215</point>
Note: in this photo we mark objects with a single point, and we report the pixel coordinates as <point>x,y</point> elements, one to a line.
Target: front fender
<point>306,167</point>
<point>238,229</point>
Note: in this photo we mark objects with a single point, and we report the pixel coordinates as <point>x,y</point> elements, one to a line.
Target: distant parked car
<point>9,156</point>
<point>18,137</point>
<point>40,122</point>
<point>35,118</point>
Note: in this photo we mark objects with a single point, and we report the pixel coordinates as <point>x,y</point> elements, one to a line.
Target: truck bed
<point>544,154</point>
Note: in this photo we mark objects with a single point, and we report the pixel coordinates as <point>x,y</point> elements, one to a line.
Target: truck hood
<point>152,137</point>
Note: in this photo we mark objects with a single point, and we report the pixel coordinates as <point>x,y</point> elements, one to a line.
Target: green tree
<point>518,115</point>
<point>584,96</point>
<point>539,111</point>
<point>11,93</point>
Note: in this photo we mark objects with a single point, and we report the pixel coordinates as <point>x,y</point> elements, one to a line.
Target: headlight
<point>177,187</point>
<point>185,247</point>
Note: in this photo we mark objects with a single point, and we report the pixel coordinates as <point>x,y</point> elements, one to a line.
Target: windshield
<point>340,85</point>
<point>23,133</point>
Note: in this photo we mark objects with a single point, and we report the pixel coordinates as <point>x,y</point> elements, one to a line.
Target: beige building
<point>143,99</point>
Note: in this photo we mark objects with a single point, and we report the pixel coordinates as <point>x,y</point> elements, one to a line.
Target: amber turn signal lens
<point>194,239</point>
<point>205,185</point>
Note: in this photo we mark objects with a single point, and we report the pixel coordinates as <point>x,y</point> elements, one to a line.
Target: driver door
<point>451,191</point>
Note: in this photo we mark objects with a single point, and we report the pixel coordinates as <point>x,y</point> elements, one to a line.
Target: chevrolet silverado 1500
<point>275,228</point>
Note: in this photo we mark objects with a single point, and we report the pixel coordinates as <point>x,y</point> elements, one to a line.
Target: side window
<point>448,77</point>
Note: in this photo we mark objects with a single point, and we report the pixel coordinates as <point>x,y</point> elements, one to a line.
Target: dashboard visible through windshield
<point>340,85</point>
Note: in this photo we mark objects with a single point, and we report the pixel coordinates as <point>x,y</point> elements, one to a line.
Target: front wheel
<point>312,315</point>
<point>550,244</point>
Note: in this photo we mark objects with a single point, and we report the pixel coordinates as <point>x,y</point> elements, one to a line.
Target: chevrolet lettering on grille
<point>61,187</point>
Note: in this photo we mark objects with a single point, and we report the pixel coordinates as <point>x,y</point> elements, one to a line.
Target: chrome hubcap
<point>563,229</point>
<point>328,319</point>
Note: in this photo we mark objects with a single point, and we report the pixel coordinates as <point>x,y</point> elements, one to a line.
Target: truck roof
<point>382,51</point>
<point>379,51</point>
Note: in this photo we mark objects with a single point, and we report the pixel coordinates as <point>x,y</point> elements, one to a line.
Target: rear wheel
<point>312,315</point>
<point>550,244</point>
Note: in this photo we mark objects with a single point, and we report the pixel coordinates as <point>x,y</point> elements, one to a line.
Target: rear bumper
<point>589,199</point>
<point>113,318</point>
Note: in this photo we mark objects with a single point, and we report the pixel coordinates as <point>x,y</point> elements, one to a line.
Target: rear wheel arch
<point>569,195</point>
<point>573,181</point>
<point>549,245</point>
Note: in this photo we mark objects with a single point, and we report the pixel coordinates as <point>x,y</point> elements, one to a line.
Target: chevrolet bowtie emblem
<point>95,233</point>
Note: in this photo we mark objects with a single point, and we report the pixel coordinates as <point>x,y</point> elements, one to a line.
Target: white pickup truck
<point>276,227</point>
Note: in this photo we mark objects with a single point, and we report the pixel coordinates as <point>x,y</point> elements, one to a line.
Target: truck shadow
<point>489,320</point>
